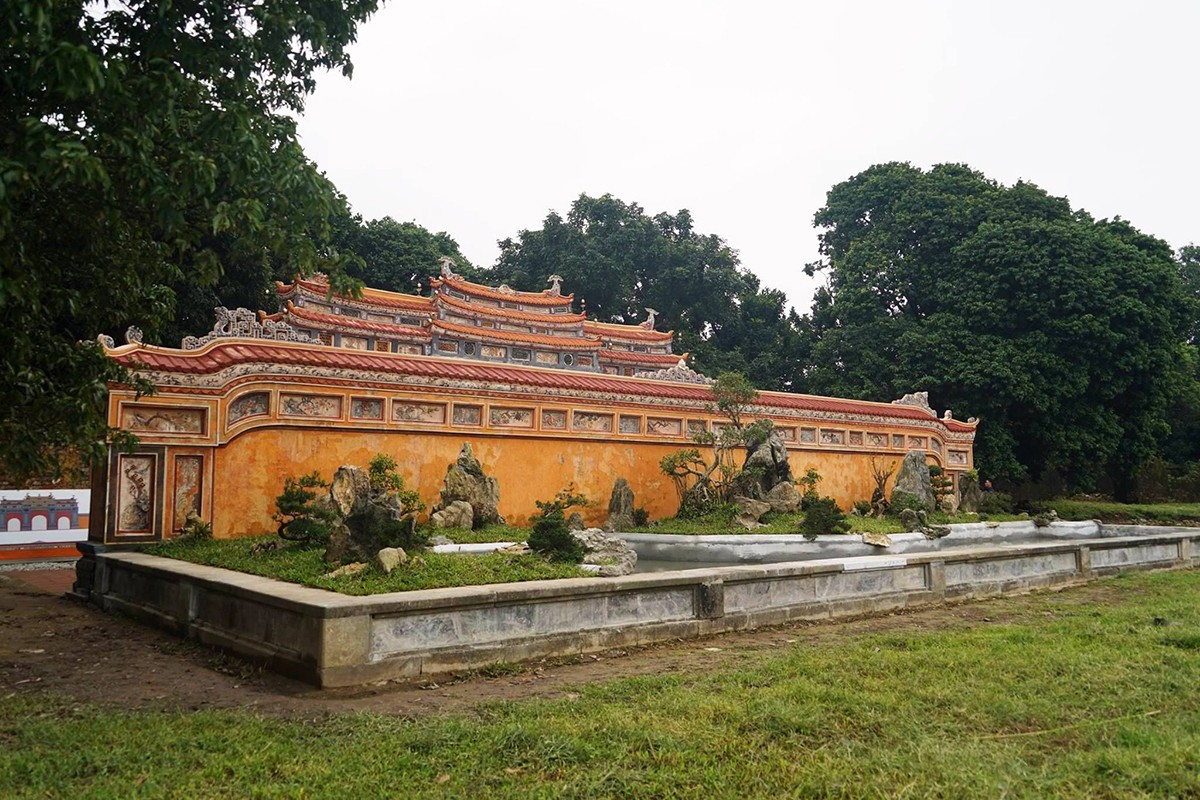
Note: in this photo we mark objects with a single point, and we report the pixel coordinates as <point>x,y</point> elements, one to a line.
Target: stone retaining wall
<point>330,639</point>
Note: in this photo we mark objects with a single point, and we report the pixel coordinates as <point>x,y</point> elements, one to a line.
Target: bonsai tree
<point>940,484</point>
<point>704,484</point>
<point>550,536</point>
<point>302,515</point>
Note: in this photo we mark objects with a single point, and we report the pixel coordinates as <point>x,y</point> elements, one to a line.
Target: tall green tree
<point>1060,332</point>
<point>397,256</point>
<point>620,260</point>
<point>141,141</point>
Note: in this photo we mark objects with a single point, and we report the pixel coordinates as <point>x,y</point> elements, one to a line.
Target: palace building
<point>546,397</point>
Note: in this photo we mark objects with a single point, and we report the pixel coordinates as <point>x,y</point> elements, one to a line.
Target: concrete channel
<point>329,639</point>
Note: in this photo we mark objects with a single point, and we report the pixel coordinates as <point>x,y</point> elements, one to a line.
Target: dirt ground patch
<point>59,646</point>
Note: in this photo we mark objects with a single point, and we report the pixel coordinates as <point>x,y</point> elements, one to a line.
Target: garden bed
<point>307,566</point>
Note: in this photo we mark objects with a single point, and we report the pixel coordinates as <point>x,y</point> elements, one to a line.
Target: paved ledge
<point>330,639</point>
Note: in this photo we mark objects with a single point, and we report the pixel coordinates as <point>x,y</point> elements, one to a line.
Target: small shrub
<point>940,484</point>
<point>902,501</point>
<point>996,503</point>
<point>863,508</point>
<point>550,536</point>
<point>641,517</point>
<point>301,514</point>
<point>822,518</point>
<point>808,488</point>
<point>385,480</point>
<point>195,528</point>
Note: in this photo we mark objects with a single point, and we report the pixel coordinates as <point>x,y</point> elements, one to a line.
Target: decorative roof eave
<point>299,316</point>
<point>636,333</point>
<point>550,320</point>
<point>224,354</point>
<point>512,337</point>
<point>542,298</point>
<point>640,359</point>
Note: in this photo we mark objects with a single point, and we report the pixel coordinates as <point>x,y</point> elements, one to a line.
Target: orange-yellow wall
<point>249,471</point>
<point>246,460</point>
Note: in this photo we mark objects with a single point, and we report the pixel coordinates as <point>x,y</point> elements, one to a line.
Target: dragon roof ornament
<point>680,373</point>
<point>245,324</point>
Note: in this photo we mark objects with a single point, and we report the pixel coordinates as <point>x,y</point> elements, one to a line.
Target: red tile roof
<point>375,297</point>
<point>304,317</point>
<point>657,360</point>
<point>542,298</point>
<point>515,337</point>
<point>508,313</point>
<point>611,330</point>
<point>223,353</point>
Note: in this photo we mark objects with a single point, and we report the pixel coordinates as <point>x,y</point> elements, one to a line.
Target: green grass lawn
<point>488,533</point>
<point>1152,513</point>
<point>306,566</point>
<point>1060,696</point>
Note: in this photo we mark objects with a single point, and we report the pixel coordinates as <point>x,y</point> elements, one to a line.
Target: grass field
<point>1052,695</point>
<point>1152,513</point>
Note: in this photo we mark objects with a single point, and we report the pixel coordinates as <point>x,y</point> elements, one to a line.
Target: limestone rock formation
<point>877,539</point>
<point>389,558</point>
<point>750,511</point>
<point>611,553</point>
<point>913,480</point>
<point>458,514</point>
<point>912,520</point>
<point>970,495</point>
<point>783,498</point>
<point>620,507</point>
<point>768,463</point>
<point>465,481</point>
<point>1046,519</point>
<point>575,521</point>
<point>348,569</point>
<point>350,489</point>
<point>370,522</point>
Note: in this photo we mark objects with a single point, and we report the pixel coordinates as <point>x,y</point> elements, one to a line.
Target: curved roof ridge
<point>510,337</point>
<point>356,323</point>
<point>552,319</point>
<point>542,298</point>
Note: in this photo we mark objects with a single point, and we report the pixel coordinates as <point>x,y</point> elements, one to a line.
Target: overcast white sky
<point>477,118</point>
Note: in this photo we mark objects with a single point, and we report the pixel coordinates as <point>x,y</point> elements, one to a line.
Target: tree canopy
<point>397,256</point>
<point>148,147</point>
<point>1061,332</point>
<point>621,260</point>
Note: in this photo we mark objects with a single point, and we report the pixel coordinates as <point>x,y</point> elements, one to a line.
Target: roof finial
<point>554,281</point>
<point>650,315</point>
<point>448,265</point>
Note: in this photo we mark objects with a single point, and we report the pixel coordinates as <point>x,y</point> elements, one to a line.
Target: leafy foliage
<point>619,259</point>
<point>144,144</point>
<point>706,484</point>
<point>995,503</point>
<point>396,256</point>
<point>822,517</point>
<point>302,514</point>
<point>808,483</point>
<point>385,480</point>
<point>983,294</point>
<point>940,484</point>
<point>550,536</point>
